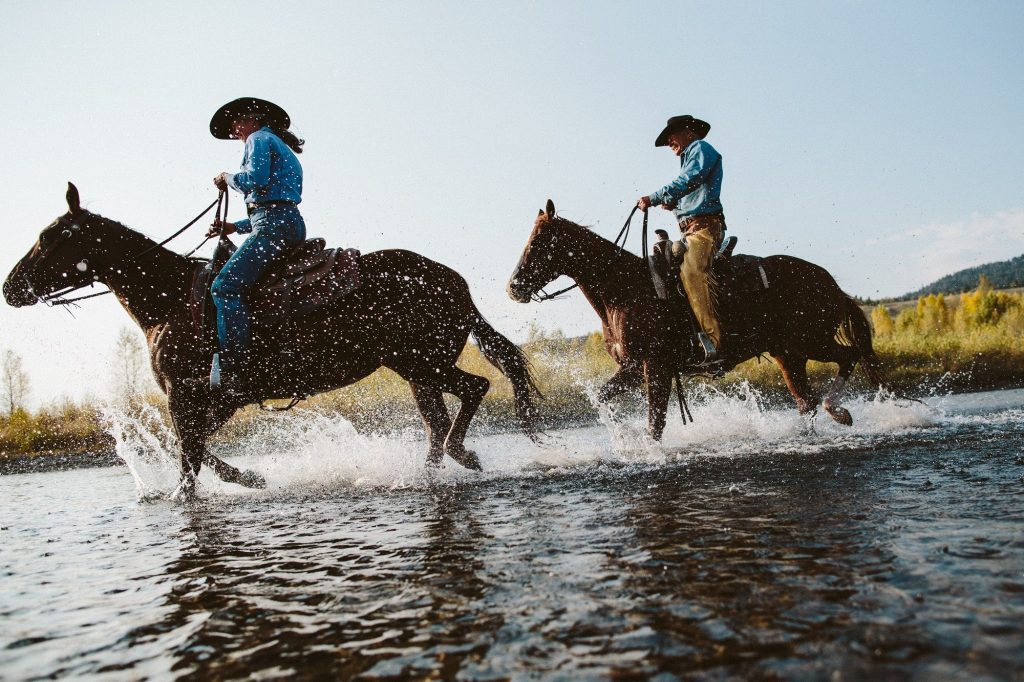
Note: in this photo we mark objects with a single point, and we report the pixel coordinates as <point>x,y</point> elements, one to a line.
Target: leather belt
<point>249,208</point>
<point>697,222</point>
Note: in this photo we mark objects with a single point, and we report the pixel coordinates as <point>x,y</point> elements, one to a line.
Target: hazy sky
<point>882,141</point>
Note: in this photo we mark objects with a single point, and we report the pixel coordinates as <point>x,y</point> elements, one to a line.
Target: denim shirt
<point>270,172</point>
<point>696,191</point>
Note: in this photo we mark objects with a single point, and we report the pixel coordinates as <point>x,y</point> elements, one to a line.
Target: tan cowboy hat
<point>675,123</point>
<point>275,116</point>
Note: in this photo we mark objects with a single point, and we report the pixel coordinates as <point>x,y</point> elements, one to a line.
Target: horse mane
<point>558,220</point>
<point>141,241</point>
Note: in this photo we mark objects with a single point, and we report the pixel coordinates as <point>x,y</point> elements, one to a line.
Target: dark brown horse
<point>411,314</point>
<point>802,315</point>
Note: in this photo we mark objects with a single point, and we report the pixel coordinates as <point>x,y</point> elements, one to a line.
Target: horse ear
<point>74,203</point>
<point>540,213</point>
<point>550,209</point>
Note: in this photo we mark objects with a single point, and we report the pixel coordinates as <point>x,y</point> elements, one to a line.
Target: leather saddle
<point>308,278</point>
<point>735,274</point>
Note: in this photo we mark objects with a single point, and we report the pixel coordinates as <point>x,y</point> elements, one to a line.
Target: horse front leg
<point>193,445</point>
<point>215,418</point>
<point>658,381</point>
<point>628,377</point>
<point>229,474</point>
<point>194,420</point>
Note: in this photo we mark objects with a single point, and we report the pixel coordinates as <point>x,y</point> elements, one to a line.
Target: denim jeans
<point>276,230</point>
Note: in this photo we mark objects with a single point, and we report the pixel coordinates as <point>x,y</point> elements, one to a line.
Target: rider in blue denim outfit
<point>271,181</point>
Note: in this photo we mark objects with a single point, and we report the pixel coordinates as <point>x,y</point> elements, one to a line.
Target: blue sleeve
<point>255,171</point>
<point>697,164</point>
<point>243,226</point>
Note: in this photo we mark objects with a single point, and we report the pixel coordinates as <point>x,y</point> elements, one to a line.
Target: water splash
<point>148,446</point>
<point>315,452</point>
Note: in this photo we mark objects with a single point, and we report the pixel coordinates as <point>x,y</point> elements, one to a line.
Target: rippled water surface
<point>747,546</point>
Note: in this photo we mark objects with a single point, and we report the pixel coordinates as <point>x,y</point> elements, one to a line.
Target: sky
<point>882,141</point>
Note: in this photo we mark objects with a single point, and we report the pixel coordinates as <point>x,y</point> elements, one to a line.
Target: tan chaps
<point>703,237</point>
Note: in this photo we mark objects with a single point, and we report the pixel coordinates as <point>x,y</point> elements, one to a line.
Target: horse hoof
<point>251,479</point>
<point>841,415</point>
<point>466,458</point>
<point>187,490</point>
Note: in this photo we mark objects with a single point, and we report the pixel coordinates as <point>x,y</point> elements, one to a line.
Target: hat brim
<point>220,124</point>
<point>699,127</point>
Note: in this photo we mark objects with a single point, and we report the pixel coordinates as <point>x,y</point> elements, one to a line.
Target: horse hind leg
<point>831,402</point>
<point>436,419</point>
<point>794,371</point>
<point>468,388</point>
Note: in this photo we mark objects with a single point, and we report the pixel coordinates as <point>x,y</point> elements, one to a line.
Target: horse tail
<point>513,363</point>
<point>856,329</point>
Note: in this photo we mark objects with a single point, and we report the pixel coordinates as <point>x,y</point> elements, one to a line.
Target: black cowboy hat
<point>275,116</point>
<point>675,123</point>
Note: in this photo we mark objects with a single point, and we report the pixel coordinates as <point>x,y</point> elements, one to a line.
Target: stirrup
<point>710,352</point>
<point>215,384</point>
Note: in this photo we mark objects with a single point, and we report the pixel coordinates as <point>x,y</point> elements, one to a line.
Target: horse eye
<point>66,234</point>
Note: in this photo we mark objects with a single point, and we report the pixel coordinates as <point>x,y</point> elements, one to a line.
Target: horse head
<point>546,255</point>
<point>71,252</point>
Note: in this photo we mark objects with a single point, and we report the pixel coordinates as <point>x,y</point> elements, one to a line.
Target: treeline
<point>967,342</point>
<point>1007,274</point>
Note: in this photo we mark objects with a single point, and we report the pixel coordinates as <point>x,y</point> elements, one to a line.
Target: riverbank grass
<point>965,343</point>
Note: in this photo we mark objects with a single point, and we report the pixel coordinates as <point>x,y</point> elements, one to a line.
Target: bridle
<point>540,295</point>
<point>55,297</point>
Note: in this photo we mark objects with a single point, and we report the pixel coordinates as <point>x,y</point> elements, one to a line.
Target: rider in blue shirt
<point>694,198</point>
<point>698,188</point>
<point>271,181</point>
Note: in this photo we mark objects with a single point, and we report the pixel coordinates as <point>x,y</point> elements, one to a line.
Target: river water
<point>748,545</point>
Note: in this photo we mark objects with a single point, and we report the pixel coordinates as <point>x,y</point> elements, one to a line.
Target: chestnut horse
<point>411,314</point>
<point>802,315</point>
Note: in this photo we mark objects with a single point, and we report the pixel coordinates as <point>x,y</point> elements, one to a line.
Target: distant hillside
<point>1005,274</point>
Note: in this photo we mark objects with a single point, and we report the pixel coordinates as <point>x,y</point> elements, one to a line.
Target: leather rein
<point>54,298</point>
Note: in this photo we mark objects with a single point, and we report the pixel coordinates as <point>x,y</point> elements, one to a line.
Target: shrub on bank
<point>971,342</point>
<point>64,427</point>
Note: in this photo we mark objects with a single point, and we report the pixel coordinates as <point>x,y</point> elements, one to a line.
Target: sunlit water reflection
<point>746,545</point>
